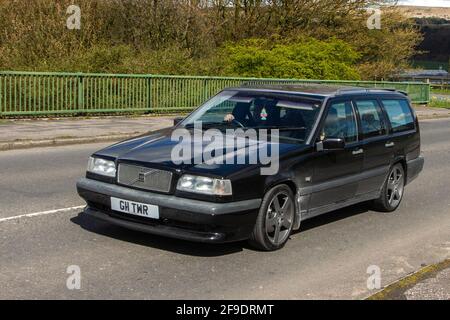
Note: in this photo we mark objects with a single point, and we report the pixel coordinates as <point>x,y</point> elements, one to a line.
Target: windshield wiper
<point>211,125</point>
<point>221,125</point>
<point>281,128</point>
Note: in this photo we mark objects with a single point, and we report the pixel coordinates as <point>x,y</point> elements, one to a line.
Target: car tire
<point>275,219</point>
<point>392,191</point>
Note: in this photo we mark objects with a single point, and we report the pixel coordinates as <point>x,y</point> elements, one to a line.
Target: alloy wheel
<point>279,218</point>
<point>395,187</point>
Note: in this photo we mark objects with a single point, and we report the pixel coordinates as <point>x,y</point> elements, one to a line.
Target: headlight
<point>204,185</point>
<point>102,167</point>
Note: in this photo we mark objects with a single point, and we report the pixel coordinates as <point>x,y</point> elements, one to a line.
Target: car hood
<point>155,149</point>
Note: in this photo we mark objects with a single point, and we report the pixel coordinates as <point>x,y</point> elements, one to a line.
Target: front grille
<point>145,178</point>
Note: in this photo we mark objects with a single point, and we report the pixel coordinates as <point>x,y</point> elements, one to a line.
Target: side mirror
<point>177,120</point>
<point>331,144</point>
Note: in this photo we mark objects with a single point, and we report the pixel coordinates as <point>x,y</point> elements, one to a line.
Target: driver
<point>241,113</point>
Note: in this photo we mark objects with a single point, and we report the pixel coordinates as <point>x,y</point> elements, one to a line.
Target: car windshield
<point>294,115</point>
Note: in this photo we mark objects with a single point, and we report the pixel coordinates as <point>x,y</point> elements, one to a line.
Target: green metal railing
<point>40,93</point>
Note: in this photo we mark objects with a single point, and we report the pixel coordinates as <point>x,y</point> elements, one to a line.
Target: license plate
<point>135,208</point>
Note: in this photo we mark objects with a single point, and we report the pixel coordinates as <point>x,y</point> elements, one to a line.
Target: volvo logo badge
<point>142,176</point>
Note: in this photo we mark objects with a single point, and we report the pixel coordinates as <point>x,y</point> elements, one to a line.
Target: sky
<point>426,3</point>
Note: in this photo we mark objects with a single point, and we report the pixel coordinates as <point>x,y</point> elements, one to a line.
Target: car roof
<point>319,91</point>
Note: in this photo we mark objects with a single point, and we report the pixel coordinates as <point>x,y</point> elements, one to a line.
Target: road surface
<point>43,232</point>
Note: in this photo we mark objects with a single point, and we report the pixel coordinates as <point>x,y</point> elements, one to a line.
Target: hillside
<point>426,12</point>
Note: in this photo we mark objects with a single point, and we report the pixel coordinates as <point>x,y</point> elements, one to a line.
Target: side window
<point>341,122</point>
<point>399,114</point>
<point>370,114</point>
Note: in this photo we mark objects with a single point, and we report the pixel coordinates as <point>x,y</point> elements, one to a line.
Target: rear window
<point>399,114</point>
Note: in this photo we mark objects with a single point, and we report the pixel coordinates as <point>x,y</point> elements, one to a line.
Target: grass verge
<point>440,91</point>
<point>439,103</point>
<point>396,290</point>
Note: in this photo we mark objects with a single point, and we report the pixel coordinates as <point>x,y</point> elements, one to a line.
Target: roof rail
<point>369,90</point>
<point>339,91</point>
<point>395,90</point>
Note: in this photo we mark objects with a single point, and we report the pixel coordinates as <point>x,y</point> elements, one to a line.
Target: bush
<point>126,59</point>
<point>305,58</point>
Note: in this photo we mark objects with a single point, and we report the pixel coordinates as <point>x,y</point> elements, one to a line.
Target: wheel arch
<point>287,181</point>
<point>402,161</point>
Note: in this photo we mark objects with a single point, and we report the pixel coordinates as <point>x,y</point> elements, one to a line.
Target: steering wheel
<point>238,123</point>
<point>229,118</point>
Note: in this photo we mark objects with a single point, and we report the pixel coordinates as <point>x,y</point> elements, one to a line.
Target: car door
<point>335,175</point>
<point>377,147</point>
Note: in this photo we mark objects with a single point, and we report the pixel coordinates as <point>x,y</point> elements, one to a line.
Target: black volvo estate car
<point>336,147</point>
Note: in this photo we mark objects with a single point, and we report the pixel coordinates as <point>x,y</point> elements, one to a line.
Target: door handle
<point>390,144</point>
<point>359,151</point>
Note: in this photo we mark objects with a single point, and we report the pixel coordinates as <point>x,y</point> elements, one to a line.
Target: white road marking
<point>43,213</point>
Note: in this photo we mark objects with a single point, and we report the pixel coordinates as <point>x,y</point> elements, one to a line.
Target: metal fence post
<point>149,94</point>
<point>206,89</point>
<point>1,95</point>
<point>428,92</point>
<point>80,93</point>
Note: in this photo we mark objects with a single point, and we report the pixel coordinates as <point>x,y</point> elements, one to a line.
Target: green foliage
<point>126,59</point>
<point>207,38</point>
<point>306,58</point>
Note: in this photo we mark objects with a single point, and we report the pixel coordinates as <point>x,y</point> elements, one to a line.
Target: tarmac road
<point>327,259</point>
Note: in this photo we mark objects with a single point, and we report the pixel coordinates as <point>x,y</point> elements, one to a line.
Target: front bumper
<point>180,218</point>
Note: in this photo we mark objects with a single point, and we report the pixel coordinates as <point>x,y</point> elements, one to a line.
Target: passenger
<point>266,114</point>
<point>293,118</point>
